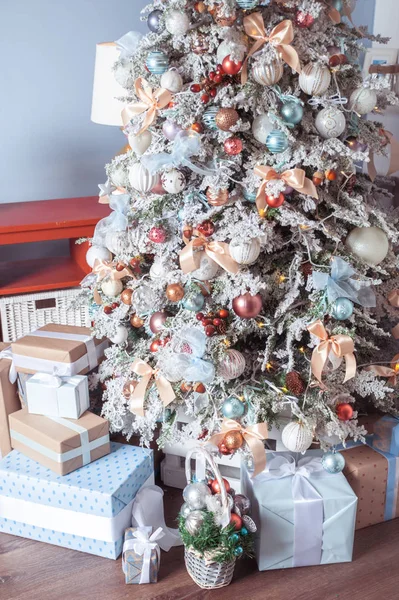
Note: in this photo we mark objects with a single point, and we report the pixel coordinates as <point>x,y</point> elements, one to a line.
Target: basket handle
<point>212,463</point>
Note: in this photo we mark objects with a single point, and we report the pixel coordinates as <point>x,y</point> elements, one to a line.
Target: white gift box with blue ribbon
<point>54,396</point>
<point>87,510</point>
<point>305,516</point>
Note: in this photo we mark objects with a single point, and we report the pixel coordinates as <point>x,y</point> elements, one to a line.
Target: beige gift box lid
<point>9,402</point>
<point>52,443</point>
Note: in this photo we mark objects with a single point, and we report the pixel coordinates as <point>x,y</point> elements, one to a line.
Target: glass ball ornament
<point>292,112</point>
<point>238,551</point>
<point>230,67</point>
<point>261,127</point>
<point>206,269</point>
<point>244,531</point>
<point>275,201</point>
<point>314,79</point>
<point>194,303</point>
<point>194,521</point>
<point>249,196</point>
<point>277,141</point>
<point>344,411</point>
<point>233,408</point>
<point>141,179</point>
<point>157,235</point>
<point>337,4</point>
<point>154,21</point>
<point>370,244</point>
<point>303,19</point>
<point>232,365</point>
<point>195,495</point>
<point>157,62</point>
<point>363,101</point>
<point>97,253</point>
<point>244,251</point>
<point>158,320</point>
<point>177,22</point>
<point>226,118</point>
<point>185,510</point>
<point>173,181</point>
<point>172,81</point>
<point>112,287</point>
<point>333,462</point>
<point>170,129</point>
<point>247,4</point>
<point>296,437</point>
<point>342,309</point>
<point>120,336</point>
<point>235,538</point>
<point>247,306</point>
<point>209,117</point>
<point>330,122</point>
<point>233,146</point>
<point>268,73</point>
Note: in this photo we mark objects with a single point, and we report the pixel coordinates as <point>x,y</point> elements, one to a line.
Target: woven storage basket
<point>207,574</point>
<point>25,313</point>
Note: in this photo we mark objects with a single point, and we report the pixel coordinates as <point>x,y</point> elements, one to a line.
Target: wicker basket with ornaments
<point>214,524</point>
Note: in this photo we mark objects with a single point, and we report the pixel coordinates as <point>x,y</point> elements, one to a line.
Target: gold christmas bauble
<point>136,321</point>
<point>226,118</point>
<point>174,292</point>
<point>217,197</point>
<point>233,440</point>
<point>126,296</point>
<point>129,388</point>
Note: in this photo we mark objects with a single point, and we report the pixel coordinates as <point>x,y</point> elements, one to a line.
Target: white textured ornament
<point>330,122</point>
<point>314,80</point>
<point>207,268</point>
<point>261,127</point>
<point>296,437</point>
<point>120,336</point>
<point>140,143</point>
<point>268,73</point>
<point>363,101</point>
<point>172,81</point>
<point>173,181</point>
<point>118,176</point>
<point>97,253</point>
<point>370,244</point>
<point>123,74</point>
<point>228,47</point>
<point>112,287</point>
<point>245,252</point>
<point>177,22</point>
<point>116,242</point>
<point>232,365</point>
<point>157,270</point>
<point>141,179</point>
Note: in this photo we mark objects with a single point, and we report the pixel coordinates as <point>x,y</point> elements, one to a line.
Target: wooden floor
<point>34,571</point>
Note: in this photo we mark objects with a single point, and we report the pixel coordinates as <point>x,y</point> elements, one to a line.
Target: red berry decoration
<point>344,411</point>
<point>274,202</point>
<point>199,316</point>
<point>206,228</point>
<point>206,321</point>
<point>223,449</point>
<point>223,313</point>
<point>157,344</point>
<point>114,305</point>
<point>230,67</point>
<point>213,92</point>
<point>108,310</point>
<point>220,70</point>
<point>218,79</point>
<point>217,322</point>
<point>195,88</point>
<point>215,487</point>
<point>236,521</point>
<point>233,146</point>
<point>205,98</point>
<point>334,61</point>
<point>157,235</point>
<point>303,19</point>
<point>199,388</point>
<point>210,330</point>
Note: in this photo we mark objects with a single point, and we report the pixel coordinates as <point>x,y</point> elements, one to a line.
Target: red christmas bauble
<point>275,202</point>
<point>206,228</point>
<point>303,19</point>
<point>247,306</point>
<point>230,67</point>
<point>157,344</point>
<point>223,449</point>
<point>334,60</point>
<point>215,487</point>
<point>236,521</point>
<point>233,146</point>
<point>344,411</point>
<point>157,235</point>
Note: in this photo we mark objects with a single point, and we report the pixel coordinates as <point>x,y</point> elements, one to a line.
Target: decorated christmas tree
<point>247,269</point>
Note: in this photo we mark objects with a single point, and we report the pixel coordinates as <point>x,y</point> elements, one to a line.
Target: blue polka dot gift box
<point>87,510</point>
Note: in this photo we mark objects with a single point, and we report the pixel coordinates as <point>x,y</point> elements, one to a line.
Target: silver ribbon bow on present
<point>7,354</point>
<point>143,545</point>
<point>49,380</point>
<point>116,221</point>
<point>334,100</point>
<point>190,365</point>
<point>340,284</point>
<point>308,504</point>
<point>185,145</point>
<point>128,44</point>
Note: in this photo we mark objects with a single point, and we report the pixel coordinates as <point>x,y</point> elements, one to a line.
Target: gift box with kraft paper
<point>9,400</point>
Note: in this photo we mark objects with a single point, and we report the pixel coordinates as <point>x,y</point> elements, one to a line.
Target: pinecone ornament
<point>294,383</point>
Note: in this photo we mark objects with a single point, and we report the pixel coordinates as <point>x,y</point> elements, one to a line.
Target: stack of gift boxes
<point>61,480</point>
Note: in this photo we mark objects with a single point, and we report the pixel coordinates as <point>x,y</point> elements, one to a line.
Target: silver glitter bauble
<point>363,101</point>
<point>292,112</point>
<point>154,20</point>
<point>342,309</point>
<point>194,521</point>
<point>195,495</point>
<point>333,462</point>
<point>185,510</point>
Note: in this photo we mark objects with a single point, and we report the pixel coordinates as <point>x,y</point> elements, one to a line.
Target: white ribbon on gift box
<point>143,545</point>
<point>308,505</point>
<point>55,382</point>
<point>88,360</point>
<point>83,450</point>
<point>7,354</point>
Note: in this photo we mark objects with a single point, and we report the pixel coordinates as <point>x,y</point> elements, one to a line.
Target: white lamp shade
<point>106,109</point>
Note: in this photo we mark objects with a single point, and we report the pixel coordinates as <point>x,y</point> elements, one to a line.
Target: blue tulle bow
<point>128,44</point>
<point>340,284</point>
<point>185,145</point>
<point>190,367</point>
<point>116,221</point>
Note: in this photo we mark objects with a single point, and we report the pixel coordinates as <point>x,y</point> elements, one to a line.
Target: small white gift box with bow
<point>55,396</point>
<point>141,554</point>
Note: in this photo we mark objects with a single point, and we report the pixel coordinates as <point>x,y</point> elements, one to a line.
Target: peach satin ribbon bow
<point>394,161</point>
<point>280,37</point>
<point>253,436</point>
<point>341,345</point>
<point>295,178</point>
<point>217,251</point>
<point>103,268</point>
<point>393,300</point>
<point>391,373</point>
<point>137,397</point>
<point>151,103</point>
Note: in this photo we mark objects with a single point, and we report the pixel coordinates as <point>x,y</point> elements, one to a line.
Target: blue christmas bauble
<point>153,20</point>
<point>209,117</point>
<point>194,303</point>
<point>333,462</point>
<point>180,214</point>
<point>157,62</point>
<point>276,141</point>
<point>337,4</point>
<point>342,309</point>
<point>238,551</point>
<point>233,408</point>
<point>249,196</point>
<point>234,538</point>
<point>292,112</point>
<point>247,4</point>
<point>244,531</point>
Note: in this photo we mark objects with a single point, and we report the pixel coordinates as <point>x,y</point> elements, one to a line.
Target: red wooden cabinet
<point>69,218</point>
